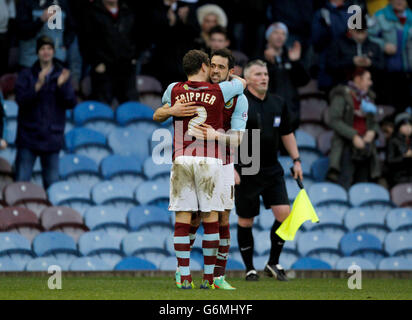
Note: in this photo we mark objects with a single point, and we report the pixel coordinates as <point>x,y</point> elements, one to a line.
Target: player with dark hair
<point>195,180</point>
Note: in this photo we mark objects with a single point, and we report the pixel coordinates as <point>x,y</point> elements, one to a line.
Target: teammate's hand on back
<point>204,132</point>
<point>297,167</point>
<point>183,109</point>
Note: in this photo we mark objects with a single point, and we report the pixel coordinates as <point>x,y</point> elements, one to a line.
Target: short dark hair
<point>225,53</point>
<point>193,60</point>
<point>218,29</point>
<point>357,72</point>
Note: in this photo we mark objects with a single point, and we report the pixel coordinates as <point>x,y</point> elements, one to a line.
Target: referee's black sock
<point>277,244</point>
<point>245,241</point>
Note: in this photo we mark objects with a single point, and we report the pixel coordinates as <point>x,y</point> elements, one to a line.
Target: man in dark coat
<point>354,50</point>
<point>286,71</point>
<point>43,92</point>
<point>112,51</point>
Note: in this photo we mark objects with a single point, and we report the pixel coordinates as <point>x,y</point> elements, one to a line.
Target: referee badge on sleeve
<point>276,122</point>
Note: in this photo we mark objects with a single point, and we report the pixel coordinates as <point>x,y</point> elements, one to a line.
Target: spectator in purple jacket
<point>43,92</point>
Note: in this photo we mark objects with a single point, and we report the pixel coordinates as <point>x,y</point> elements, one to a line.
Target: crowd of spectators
<point>110,42</point>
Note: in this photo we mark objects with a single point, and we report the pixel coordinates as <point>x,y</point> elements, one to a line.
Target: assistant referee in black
<point>269,113</point>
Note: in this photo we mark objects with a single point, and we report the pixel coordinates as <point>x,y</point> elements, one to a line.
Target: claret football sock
<point>223,251</point>
<point>182,249</point>
<point>210,245</point>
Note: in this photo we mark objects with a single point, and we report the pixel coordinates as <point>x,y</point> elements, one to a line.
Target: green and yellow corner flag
<point>302,210</point>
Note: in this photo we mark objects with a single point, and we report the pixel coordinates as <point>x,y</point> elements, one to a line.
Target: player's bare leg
<point>182,247</point>
<point>210,245</point>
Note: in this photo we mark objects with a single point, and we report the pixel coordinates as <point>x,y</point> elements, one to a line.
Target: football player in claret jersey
<point>195,180</point>
<point>234,123</point>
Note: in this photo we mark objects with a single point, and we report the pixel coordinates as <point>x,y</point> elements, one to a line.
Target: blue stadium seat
<point>118,194</point>
<point>43,264</point>
<point>101,244</point>
<point>265,219</point>
<point>144,216</point>
<point>126,168</point>
<point>110,219</point>
<point>399,243</point>
<point>327,192</point>
<point>399,219</point>
<point>7,264</point>
<point>287,163</point>
<point>129,112</point>
<point>89,264</point>
<point>307,263</point>
<point>395,263</point>
<point>345,262</point>
<point>356,242</point>
<point>366,192</point>
<point>286,259</point>
<point>148,127</point>
<point>330,221</point>
<point>87,142</point>
<point>292,188</point>
<point>378,205</point>
<point>57,245</point>
<point>92,110</point>
<point>80,137</point>
<point>170,264</point>
<point>154,257</point>
<point>71,194</point>
<point>10,131</point>
<point>309,156</point>
<point>262,242</point>
<point>303,139</point>
<point>366,220</point>
<point>152,192</point>
<point>15,247</point>
<point>338,206</point>
<point>153,170</point>
<point>123,141</point>
<point>141,242</point>
<point>319,245</point>
<point>78,168</point>
<point>233,264</point>
<point>134,263</point>
<point>11,109</point>
<point>319,169</point>
<point>9,154</point>
<point>68,127</point>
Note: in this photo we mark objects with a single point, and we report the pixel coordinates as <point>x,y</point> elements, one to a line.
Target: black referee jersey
<point>272,116</point>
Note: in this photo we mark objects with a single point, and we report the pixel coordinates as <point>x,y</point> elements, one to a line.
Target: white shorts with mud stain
<point>196,184</point>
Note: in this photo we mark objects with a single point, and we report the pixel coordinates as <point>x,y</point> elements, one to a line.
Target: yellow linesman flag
<point>302,210</point>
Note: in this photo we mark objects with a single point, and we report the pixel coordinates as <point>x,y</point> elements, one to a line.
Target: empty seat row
<point>119,194</point>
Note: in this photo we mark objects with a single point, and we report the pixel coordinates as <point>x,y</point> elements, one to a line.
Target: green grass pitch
<point>163,288</point>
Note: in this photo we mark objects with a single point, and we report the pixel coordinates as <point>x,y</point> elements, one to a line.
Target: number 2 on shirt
<point>199,119</point>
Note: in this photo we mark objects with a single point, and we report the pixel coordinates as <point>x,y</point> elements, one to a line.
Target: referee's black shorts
<point>268,183</point>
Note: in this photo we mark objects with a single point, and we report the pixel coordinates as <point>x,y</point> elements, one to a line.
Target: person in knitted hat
<point>399,151</point>
<point>286,70</point>
<point>43,93</point>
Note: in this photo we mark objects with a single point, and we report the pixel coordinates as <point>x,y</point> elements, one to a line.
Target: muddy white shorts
<point>196,184</point>
<point>228,186</point>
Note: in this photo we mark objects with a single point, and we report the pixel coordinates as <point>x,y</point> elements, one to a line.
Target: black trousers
<point>4,53</point>
<point>117,82</point>
<point>352,171</point>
